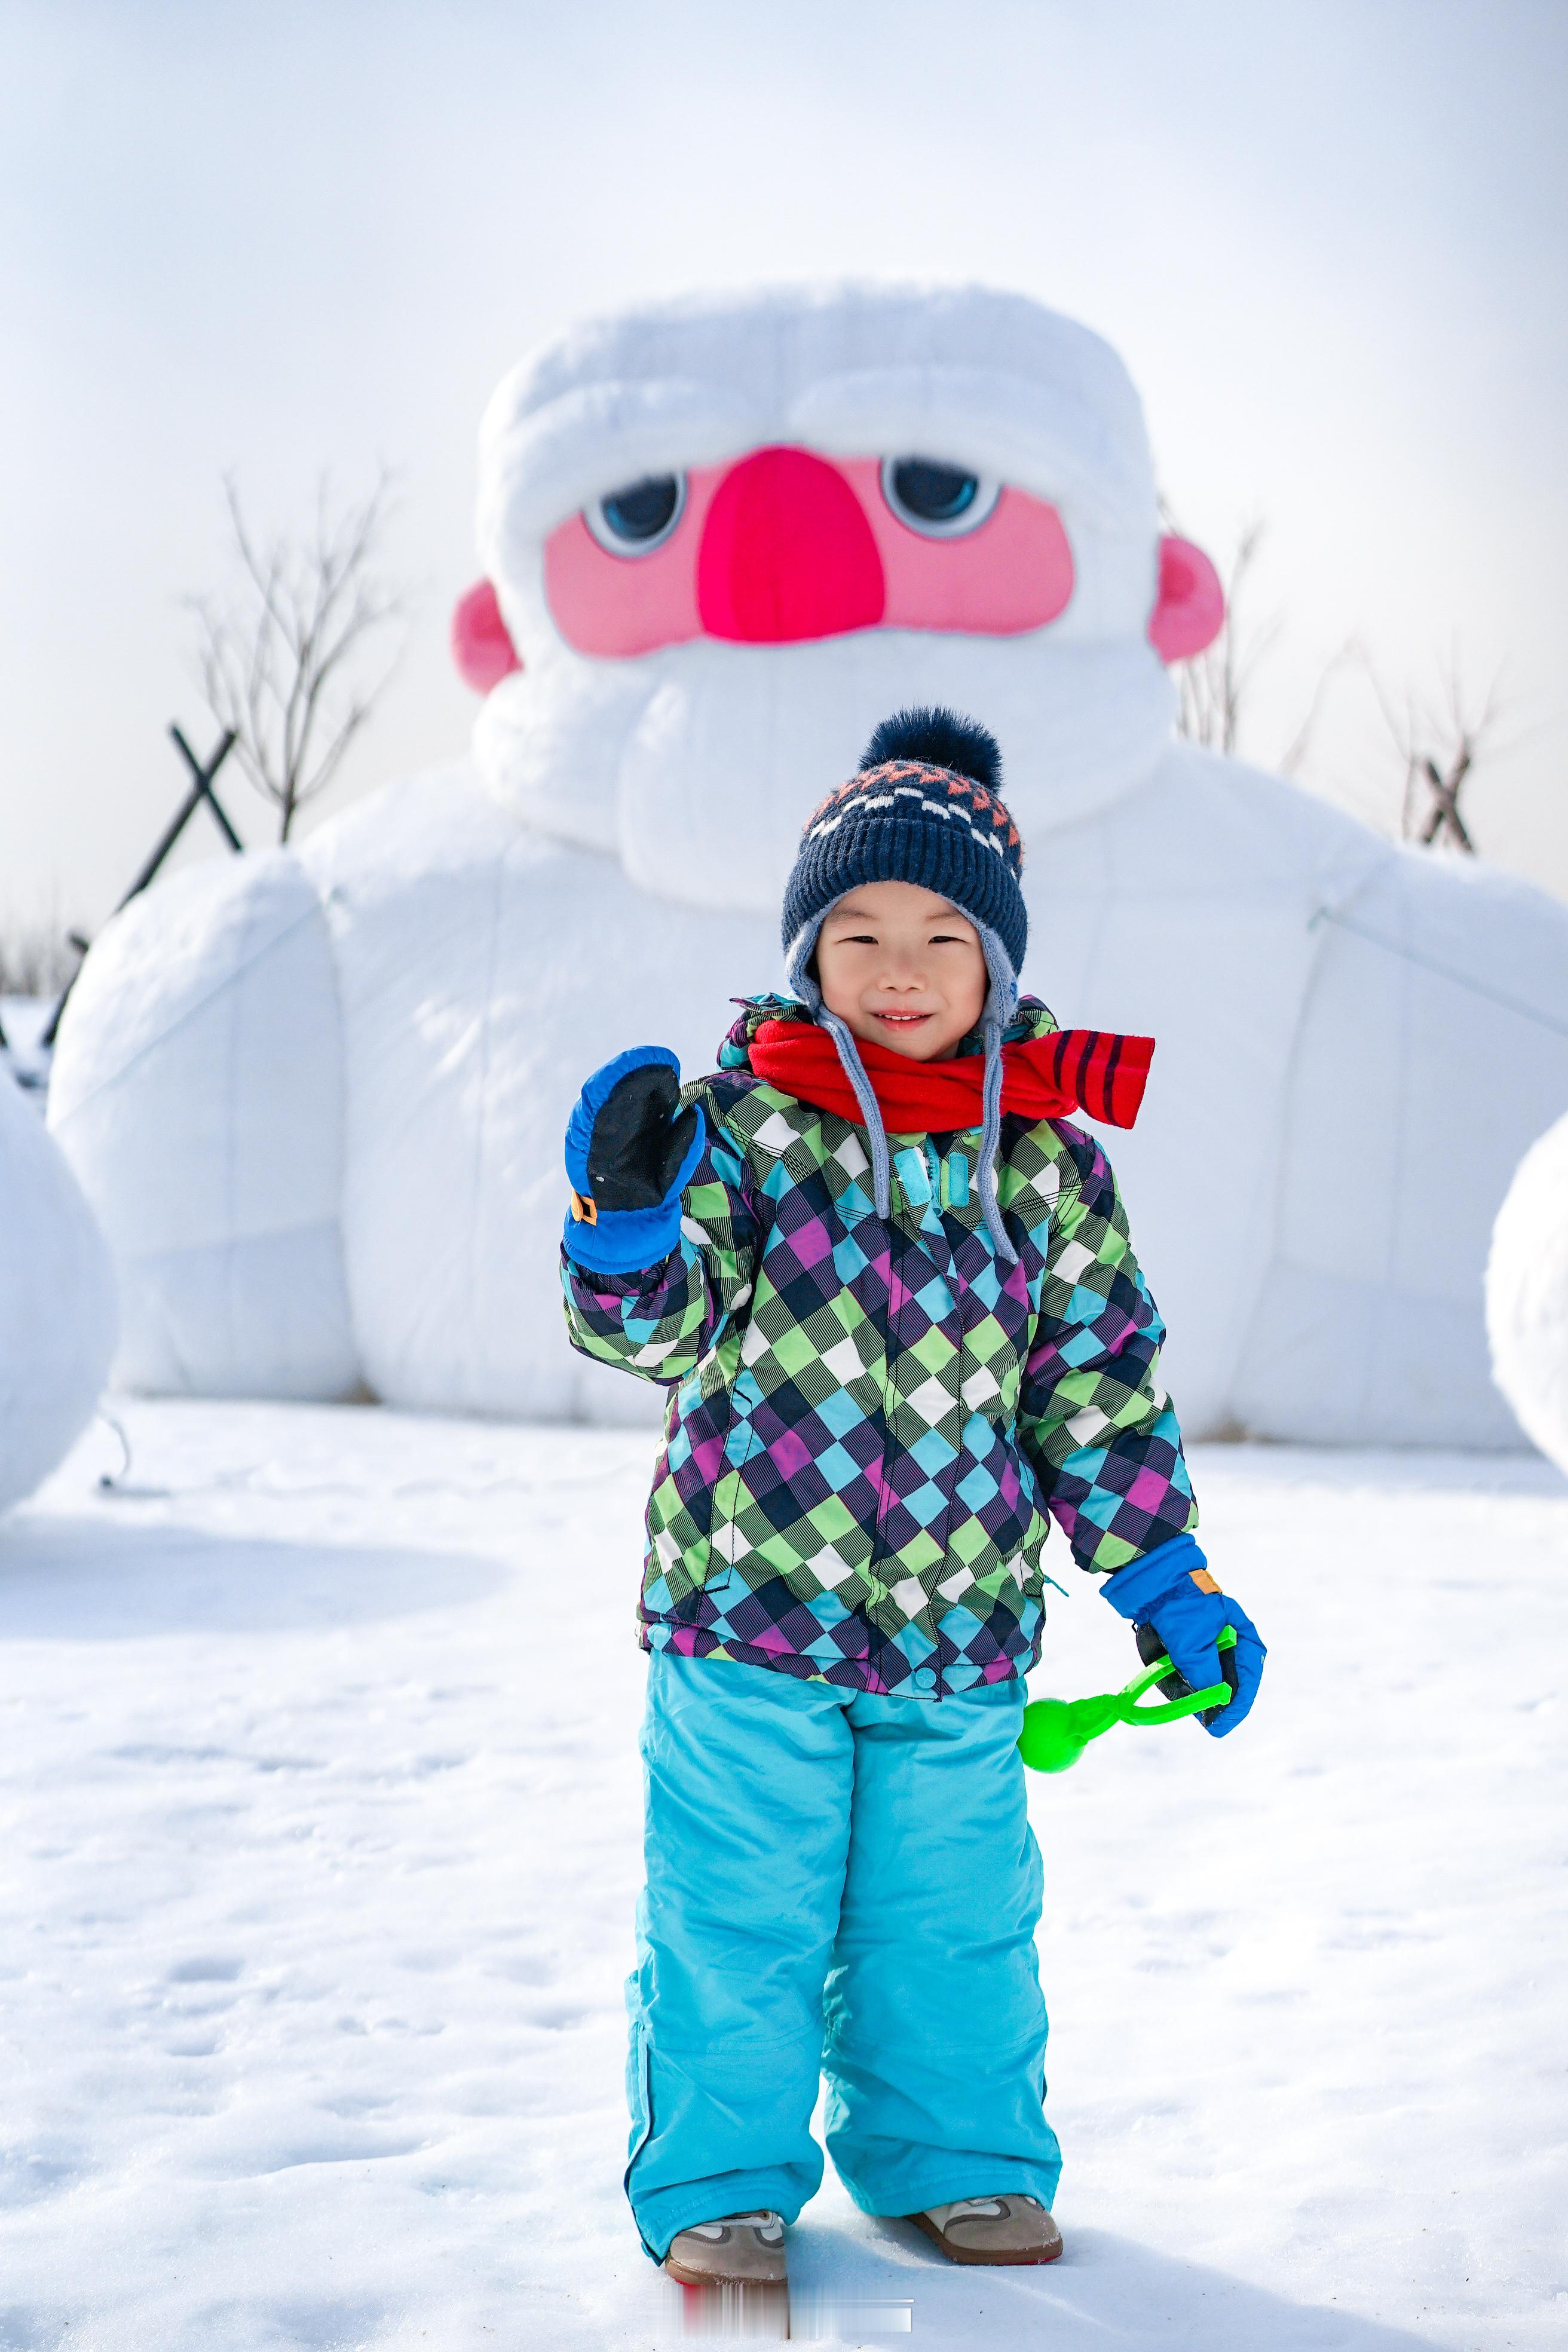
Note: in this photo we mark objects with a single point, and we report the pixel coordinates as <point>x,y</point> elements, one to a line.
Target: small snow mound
<point>1527,1293</point>
<point>56,1301</point>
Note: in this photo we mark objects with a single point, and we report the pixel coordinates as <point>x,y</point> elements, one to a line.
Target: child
<point>891,1294</point>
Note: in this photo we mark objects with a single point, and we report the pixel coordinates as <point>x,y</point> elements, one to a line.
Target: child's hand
<point>1162,1590</point>
<point>631,1151</point>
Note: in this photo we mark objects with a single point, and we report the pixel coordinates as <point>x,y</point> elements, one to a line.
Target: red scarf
<point>1090,1070</point>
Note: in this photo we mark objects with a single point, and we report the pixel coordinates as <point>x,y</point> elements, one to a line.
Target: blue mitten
<point>1158,1591</point>
<point>630,1153</point>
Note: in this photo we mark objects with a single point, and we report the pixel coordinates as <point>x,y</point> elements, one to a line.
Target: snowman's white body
<point>317,1095</point>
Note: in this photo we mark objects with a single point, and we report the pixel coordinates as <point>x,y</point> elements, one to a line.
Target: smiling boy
<point>891,1293</point>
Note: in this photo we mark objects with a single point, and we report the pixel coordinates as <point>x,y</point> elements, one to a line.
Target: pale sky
<point>1327,236</point>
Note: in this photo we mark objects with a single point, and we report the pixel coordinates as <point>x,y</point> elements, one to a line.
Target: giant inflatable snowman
<point>56,1301</point>
<point>316,1095</point>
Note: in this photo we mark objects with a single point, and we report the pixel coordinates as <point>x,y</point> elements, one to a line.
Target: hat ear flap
<point>1002,994</point>
<point>800,955</point>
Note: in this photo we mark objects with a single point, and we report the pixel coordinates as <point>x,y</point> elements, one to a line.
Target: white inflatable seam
<point>1440,970</point>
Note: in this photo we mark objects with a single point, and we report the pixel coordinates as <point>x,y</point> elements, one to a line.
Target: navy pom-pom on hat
<point>924,807</point>
<point>939,738</point>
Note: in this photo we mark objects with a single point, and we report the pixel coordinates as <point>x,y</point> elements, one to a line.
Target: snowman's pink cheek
<point>609,604</point>
<point>1014,571</point>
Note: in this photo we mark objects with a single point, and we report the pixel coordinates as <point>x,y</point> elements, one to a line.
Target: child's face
<point>903,968</point>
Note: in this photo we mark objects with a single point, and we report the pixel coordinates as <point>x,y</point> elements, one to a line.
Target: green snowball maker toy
<point>1056,1730</point>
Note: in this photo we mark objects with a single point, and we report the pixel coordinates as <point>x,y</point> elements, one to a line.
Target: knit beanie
<point>924,807</point>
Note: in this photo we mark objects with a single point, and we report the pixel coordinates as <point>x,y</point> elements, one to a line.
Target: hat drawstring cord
<point>854,1069</point>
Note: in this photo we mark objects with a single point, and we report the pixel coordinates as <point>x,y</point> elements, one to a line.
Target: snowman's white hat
<point>990,380</point>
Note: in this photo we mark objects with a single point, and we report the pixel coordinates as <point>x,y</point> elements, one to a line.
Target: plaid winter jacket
<point>868,1421</point>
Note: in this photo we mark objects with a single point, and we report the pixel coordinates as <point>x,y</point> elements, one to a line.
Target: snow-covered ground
<point>320,1841</point>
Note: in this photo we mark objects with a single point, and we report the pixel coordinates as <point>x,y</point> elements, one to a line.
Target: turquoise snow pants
<point>843,1886</point>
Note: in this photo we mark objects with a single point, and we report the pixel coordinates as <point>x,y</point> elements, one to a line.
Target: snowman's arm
<point>1434,1032</point>
<point>1093,1412</point>
<point>661,1321</point>
<point>198,1094</point>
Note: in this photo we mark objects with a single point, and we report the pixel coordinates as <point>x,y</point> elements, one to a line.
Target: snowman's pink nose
<point>787,554</point>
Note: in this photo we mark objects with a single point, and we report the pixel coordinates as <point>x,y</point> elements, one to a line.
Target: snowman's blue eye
<point>940,501</point>
<point>935,493</point>
<point>634,519</point>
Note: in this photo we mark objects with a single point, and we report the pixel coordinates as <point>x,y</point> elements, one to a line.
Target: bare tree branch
<point>1439,742</point>
<point>276,660</point>
<point>1295,752</point>
<point>1439,738</point>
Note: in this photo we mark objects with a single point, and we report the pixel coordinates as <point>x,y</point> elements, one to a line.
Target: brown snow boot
<point>742,2249</point>
<point>1010,2229</point>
